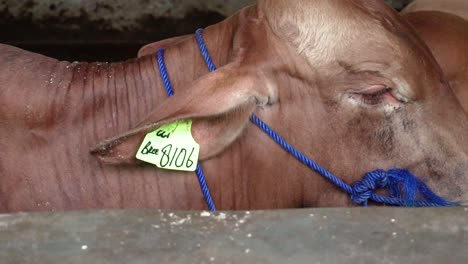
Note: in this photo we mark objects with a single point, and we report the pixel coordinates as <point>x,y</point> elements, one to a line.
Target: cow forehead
<point>354,32</point>
<point>323,30</point>
<point>314,16</point>
<point>324,25</point>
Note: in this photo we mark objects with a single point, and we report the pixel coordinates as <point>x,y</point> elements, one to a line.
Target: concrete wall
<point>351,236</point>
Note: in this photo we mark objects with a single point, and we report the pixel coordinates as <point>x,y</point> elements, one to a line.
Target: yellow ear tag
<point>171,147</point>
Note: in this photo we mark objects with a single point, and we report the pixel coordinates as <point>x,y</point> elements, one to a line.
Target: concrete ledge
<point>375,235</point>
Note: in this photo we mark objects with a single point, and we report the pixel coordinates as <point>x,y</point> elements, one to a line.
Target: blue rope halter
<point>170,92</point>
<point>404,188</point>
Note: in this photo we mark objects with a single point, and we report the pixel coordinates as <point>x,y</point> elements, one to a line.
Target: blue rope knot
<point>364,189</point>
<point>401,186</point>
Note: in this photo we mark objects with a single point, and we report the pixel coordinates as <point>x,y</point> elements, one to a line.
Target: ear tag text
<point>171,147</point>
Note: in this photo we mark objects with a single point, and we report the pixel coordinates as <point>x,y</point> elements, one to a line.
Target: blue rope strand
<point>204,50</point>
<point>170,92</point>
<point>401,184</point>
<point>205,189</point>
<point>298,155</point>
<point>163,72</point>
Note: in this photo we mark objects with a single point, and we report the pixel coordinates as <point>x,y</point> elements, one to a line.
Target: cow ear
<point>220,105</point>
<point>151,49</point>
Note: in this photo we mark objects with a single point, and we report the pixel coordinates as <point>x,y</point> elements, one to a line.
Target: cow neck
<point>117,94</point>
<point>112,98</point>
<point>404,188</point>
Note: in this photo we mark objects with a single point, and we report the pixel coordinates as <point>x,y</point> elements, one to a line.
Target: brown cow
<point>347,82</point>
<point>443,25</point>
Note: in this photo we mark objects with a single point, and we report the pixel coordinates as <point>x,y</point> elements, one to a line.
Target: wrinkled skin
<point>351,86</point>
<point>443,25</point>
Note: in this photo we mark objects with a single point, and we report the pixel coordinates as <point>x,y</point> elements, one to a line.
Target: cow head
<point>347,82</point>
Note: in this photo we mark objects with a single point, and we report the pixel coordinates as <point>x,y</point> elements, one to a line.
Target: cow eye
<point>374,96</point>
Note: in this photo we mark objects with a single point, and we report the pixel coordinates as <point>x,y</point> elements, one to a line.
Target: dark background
<point>107,30</point>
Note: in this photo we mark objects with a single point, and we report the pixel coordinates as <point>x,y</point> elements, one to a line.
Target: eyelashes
<point>376,97</point>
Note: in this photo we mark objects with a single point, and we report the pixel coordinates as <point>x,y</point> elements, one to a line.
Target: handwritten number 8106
<point>178,157</point>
